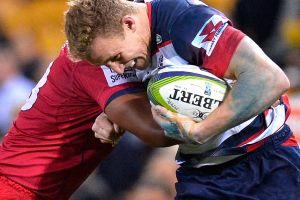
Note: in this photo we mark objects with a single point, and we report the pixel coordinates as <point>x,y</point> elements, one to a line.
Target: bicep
<point>259,82</point>
<point>133,113</point>
<point>249,58</point>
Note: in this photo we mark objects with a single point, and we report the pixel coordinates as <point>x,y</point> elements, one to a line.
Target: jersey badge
<point>158,39</point>
<point>210,33</point>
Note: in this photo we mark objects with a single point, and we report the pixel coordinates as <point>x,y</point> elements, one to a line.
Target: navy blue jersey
<point>186,32</point>
<point>190,32</point>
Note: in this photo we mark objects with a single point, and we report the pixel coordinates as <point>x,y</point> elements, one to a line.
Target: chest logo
<point>158,39</point>
<point>114,79</point>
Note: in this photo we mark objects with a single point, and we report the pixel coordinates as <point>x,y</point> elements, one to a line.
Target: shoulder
<point>195,29</point>
<point>196,19</point>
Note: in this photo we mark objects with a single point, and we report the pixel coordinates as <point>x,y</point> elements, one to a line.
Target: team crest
<point>158,39</point>
<point>210,33</point>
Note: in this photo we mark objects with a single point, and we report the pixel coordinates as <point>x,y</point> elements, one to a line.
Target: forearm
<point>133,113</point>
<point>260,82</point>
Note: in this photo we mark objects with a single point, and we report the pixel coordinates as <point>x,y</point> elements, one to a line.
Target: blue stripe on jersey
<point>254,127</point>
<point>131,90</point>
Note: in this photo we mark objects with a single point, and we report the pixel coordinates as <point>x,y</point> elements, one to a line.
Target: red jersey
<point>51,148</point>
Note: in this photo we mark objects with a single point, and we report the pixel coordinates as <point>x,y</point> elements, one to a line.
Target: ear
<point>129,23</point>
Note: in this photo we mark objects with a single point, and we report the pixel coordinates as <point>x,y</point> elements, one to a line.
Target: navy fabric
<point>260,175</point>
<point>176,21</point>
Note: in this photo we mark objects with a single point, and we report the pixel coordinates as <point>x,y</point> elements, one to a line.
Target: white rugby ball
<point>188,90</point>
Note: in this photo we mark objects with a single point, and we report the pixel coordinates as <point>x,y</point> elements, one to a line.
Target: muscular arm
<point>260,82</point>
<point>133,113</point>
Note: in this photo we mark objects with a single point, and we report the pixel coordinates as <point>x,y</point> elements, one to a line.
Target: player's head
<point>111,32</point>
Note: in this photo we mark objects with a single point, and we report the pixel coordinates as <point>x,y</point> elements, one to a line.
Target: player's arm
<point>133,113</point>
<point>260,82</point>
<point>123,100</point>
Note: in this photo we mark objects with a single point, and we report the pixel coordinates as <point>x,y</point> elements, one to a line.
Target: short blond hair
<point>87,19</point>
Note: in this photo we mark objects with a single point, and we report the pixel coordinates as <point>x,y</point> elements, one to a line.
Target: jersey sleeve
<point>204,36</point>
<point>104,85</point>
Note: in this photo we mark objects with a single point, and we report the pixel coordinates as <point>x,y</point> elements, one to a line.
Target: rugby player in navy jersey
<point>244,149</point>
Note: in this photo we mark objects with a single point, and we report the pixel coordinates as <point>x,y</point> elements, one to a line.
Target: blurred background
<point>31,35</point>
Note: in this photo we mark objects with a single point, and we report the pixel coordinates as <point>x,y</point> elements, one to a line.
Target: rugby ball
<point>187,89</point>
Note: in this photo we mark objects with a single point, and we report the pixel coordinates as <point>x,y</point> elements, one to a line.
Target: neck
<point>144,20</point>
<point>72,58</point>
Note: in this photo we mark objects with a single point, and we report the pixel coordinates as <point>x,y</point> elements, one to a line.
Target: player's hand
<point>175,125</point>
<point>107,131</point>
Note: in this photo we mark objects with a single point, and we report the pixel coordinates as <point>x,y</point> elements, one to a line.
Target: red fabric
<point>217,63</point>
<point>149,14</point>
<point>252,137</point>
<point>10,190</point>
<point>254,146</point>
<point>286,101</point>
<point>292,142</point>
<point>51,147</point>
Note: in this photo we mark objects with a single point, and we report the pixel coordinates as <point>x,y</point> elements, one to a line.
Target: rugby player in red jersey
<point>244,149</point>
<point>51,149</point>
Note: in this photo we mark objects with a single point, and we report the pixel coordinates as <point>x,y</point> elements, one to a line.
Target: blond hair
<point>87,19</point>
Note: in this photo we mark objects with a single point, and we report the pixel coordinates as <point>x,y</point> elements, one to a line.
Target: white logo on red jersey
<point>210,33</point>
<point>114,78</point>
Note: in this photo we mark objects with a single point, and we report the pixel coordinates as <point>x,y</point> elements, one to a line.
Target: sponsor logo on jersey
<point>210,33</point>
<point>196,2</point>
<point>158,39</point>
<point>114,78</point>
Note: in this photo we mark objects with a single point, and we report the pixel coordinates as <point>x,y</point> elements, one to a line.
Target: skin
<point>260,82</point>
<point>139,121</point>
<point>263,81</point>
<point>128,50</point>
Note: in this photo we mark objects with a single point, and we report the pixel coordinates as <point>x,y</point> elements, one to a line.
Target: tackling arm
<point>133,113</point>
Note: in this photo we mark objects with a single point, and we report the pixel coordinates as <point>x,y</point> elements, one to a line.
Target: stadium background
<point>34,31</point>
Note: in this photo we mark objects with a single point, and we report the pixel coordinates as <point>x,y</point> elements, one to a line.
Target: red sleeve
<point>218,61</point>
<point>104,85</point>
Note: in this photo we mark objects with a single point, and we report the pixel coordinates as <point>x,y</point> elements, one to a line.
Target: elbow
<point>287,84</point>
<point>283,84</point>
<point>278,83</point>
